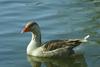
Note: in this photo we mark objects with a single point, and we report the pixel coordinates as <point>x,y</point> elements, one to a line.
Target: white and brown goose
<point>53,48</point>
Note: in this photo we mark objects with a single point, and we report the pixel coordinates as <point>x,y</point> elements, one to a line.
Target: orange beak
<point>26,29</point>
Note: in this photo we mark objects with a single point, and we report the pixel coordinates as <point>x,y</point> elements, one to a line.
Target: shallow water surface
<point>61,19</point>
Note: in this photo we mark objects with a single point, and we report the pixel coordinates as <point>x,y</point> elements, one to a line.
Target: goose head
<point>31,26</point>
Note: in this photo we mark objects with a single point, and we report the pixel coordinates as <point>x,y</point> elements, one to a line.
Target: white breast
<point>38,52</point>
<point>31,47</point>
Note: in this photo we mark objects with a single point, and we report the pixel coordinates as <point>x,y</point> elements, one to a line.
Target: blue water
<point>58,19</point>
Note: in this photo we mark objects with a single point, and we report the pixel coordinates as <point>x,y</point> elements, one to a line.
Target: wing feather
<point>55,44</point>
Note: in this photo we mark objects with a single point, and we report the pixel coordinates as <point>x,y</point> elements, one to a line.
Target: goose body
<point>53,48</point>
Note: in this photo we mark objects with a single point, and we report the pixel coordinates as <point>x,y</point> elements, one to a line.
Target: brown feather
<point>55,44</point>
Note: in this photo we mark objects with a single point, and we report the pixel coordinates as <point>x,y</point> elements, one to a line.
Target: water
<point>58,20</point>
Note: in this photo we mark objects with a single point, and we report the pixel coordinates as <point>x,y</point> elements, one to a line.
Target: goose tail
<point>85,38</point>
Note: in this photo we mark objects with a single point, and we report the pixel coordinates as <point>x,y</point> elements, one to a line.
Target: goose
<point>53,48</point>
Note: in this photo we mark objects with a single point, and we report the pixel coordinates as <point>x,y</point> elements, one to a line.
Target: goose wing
<point>56,44</point>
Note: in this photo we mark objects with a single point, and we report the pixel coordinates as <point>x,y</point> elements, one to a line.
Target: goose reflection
<point>78,61</point>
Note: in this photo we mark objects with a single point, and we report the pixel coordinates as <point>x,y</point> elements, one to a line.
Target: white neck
<point>34,43</point>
